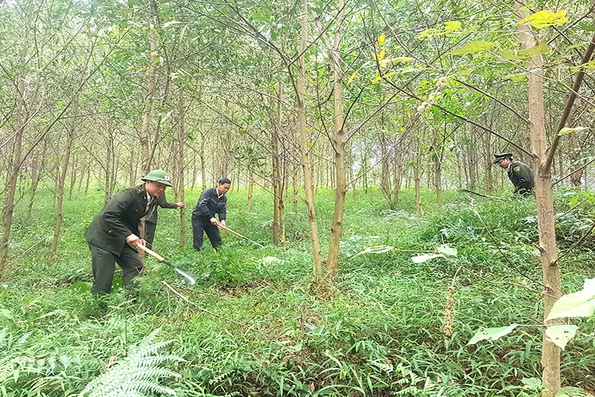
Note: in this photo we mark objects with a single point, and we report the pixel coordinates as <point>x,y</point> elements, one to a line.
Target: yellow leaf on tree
<point>584,67</point>
<point>510,55</point>
<point>376,79</point>
<point>452,26</point>
<point>381,39</point>
<point>516,77</point>
<point>154,53</point>
<point>546,18</point>
<point>541,48</point>
<point>352,76</point>
<point>474,47</point>
<point>429,33</point>
<point>380,55</point>
<point>393,61</point>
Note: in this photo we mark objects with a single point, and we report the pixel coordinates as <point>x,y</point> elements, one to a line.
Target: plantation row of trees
<point>342,94</point>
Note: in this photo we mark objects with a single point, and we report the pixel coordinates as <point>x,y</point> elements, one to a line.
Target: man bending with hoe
<point>211,202</point>
<point>113,235</point>
<point>519,173</point>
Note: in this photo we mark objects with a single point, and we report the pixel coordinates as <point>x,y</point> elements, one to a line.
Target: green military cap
<point>502,156</point>
<point>158,176</point>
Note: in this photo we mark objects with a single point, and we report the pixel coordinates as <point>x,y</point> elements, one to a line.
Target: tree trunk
<point>337,145</point>
<point>550,355</point>
<point>179,181</point>
<point>304,147</point>
<point>276,165</point>
<point>61,179</point>
<point>13,173</point>
<point>150,95</point>
<point>37,163</point>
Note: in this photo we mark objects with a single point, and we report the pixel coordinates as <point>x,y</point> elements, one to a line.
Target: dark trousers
<point>104,262</point>
<point>199,227</point>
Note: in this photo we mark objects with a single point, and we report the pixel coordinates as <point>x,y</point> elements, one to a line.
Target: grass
<point>255,324</point>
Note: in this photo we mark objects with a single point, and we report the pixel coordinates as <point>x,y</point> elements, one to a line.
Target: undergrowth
<point>255,324</point>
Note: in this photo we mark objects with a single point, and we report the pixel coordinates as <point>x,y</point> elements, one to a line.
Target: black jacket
<point>521,177</point>
<point>209,204</point>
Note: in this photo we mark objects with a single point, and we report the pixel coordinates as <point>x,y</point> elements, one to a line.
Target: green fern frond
<point>137,374</point>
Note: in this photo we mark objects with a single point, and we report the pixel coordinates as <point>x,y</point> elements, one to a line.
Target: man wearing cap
<point>210,203</point>
<point>519,173</point>
<point>113,235</point>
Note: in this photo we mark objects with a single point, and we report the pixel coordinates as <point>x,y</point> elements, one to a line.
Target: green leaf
<point>6,314</point>
<point>510,55</point>
<point>393,61</point>
<point>577,304</point>
<point>451,26</point>
<point>474,47</point>
<point>545,18</point>
<point>516,77</point>
<point>531,383</point>
<point>491,333</point>
<point>561,334</point>
<point>567,131</point>
<point>81,287</point>
<point>541,48</point>
<point>584,67</point>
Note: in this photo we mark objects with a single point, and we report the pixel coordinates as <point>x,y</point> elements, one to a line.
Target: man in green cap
<point>113,235</point>
<point>519,173</point>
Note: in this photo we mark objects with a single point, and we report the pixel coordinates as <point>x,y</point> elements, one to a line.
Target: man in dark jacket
<point>519,173</point>
<point>113,235</point>
<point>151,217</point>
<point>211,202</point>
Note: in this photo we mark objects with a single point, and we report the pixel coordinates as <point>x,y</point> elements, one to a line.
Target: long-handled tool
<point>161,259</point>
<point>482,195</point>
<point>239,235</point>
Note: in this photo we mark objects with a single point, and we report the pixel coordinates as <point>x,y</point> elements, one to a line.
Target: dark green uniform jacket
<point>521,177</point>
<point>118,219</point>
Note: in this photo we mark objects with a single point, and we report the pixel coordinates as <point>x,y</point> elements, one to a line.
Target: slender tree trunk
<point>37,163</point>
<point>417,176</point>
<point>61,179</point>
<point>337,144</point>
<point>13,173</point>
<point>150,95</point>
<point>276,164</point>
<point>304,147</point>
<point>179,181</point>
<point>550,354</point>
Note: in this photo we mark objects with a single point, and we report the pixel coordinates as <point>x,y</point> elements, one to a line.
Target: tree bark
<point>304,147</point>
<point>61,179</point>
<point>338,146</point>
<point>550,355</point>
<point>150,95</point>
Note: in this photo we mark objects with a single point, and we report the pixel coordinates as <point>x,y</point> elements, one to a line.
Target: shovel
<point>161,259</point>
<point>239,235</point>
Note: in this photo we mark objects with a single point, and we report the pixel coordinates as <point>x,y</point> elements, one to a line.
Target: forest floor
<point>412,289</point>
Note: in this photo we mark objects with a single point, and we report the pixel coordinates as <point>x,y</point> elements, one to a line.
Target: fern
<point>137,374</point>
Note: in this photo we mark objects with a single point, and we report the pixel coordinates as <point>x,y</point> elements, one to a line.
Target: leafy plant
<point>138,373</point>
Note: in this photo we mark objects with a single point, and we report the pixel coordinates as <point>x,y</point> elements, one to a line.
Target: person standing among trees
<point>113,235</point>
<point>519,173</point>
<point>210,203</point>
<point>151,217</point>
